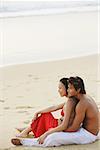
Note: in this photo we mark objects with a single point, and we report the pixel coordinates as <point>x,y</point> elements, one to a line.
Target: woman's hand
<point>42,138</point>
<point>35,117</point>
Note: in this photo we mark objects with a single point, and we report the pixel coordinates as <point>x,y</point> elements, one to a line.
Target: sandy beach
<point>36,51</point>
<point>29,87</point>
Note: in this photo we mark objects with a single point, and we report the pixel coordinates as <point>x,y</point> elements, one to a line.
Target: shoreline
<point>50,60</point>
<point>46,8</point>
<point>44,12</point>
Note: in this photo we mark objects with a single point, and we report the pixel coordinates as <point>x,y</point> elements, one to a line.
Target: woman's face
<point>62,89</point>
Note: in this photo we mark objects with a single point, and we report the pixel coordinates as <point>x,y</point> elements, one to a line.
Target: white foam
<point>13,9</point>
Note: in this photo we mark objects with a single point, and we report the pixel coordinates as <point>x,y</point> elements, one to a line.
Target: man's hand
<point>42,138</point>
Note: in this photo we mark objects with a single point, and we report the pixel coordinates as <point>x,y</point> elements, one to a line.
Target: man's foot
<point>16,141</point>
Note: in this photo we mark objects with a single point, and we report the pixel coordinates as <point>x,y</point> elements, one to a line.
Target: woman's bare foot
<point>25,132</point>
<point>22,135</point>
<point>16,141</point>
<point>20,129</point>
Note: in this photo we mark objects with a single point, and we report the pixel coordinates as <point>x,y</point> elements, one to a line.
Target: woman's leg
<point>43,123</point>
<point>25,132</point>
<point>40,125</point>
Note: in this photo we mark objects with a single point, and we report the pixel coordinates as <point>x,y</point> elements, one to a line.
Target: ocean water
<point>47,31</point>
<point>20,8</point>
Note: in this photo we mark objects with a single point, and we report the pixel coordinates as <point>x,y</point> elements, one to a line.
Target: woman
<point>46,124</point>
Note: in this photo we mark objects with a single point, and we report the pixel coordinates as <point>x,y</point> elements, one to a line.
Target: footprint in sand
<point>2,101</point>
<point>19,96</point>
<point>30,75</point>
<point>98,81</point>
<point>36,78</point>
<point>9,86</point>
<point>6,108</point>
<point>22,111</point>
<point>24,107</point>
<point>26,122</point>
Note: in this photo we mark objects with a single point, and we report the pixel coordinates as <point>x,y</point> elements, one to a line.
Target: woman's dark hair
<point>65,82</point>
<point>78,83</point>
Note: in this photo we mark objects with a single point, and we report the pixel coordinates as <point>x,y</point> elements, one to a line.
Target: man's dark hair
<point>65,82</point>
<point>78,83</point>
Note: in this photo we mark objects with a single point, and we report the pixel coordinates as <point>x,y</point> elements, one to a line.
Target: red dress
<point>43,123</point>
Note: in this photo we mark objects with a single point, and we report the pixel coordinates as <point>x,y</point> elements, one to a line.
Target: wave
<point>8,9</point>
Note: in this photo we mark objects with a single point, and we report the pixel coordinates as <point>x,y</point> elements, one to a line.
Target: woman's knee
<point>46,114</point>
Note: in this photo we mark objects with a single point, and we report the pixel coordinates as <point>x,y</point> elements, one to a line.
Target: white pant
<point>82,136</point>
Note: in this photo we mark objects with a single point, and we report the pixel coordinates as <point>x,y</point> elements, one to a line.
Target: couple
<point>79,123</point>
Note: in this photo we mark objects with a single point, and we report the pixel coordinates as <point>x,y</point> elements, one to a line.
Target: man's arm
<point>79,117</point>
<point>67,113</point>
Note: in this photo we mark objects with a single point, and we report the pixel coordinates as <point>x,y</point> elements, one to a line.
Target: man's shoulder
<point>71,103</point>
<point>81,106</point>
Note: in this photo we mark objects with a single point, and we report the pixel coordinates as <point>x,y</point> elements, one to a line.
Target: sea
<point>13,12</point>
<point>24,8</point>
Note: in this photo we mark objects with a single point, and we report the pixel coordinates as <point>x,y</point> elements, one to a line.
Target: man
<point>85,126</point>
<point>86,110</point>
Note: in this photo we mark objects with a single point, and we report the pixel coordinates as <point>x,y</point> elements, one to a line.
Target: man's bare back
<point>86,114</point>
<point>91,120</point>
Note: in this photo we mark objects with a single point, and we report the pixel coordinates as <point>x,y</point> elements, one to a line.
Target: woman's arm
<point>67,113</point>
<point>51,109</point>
